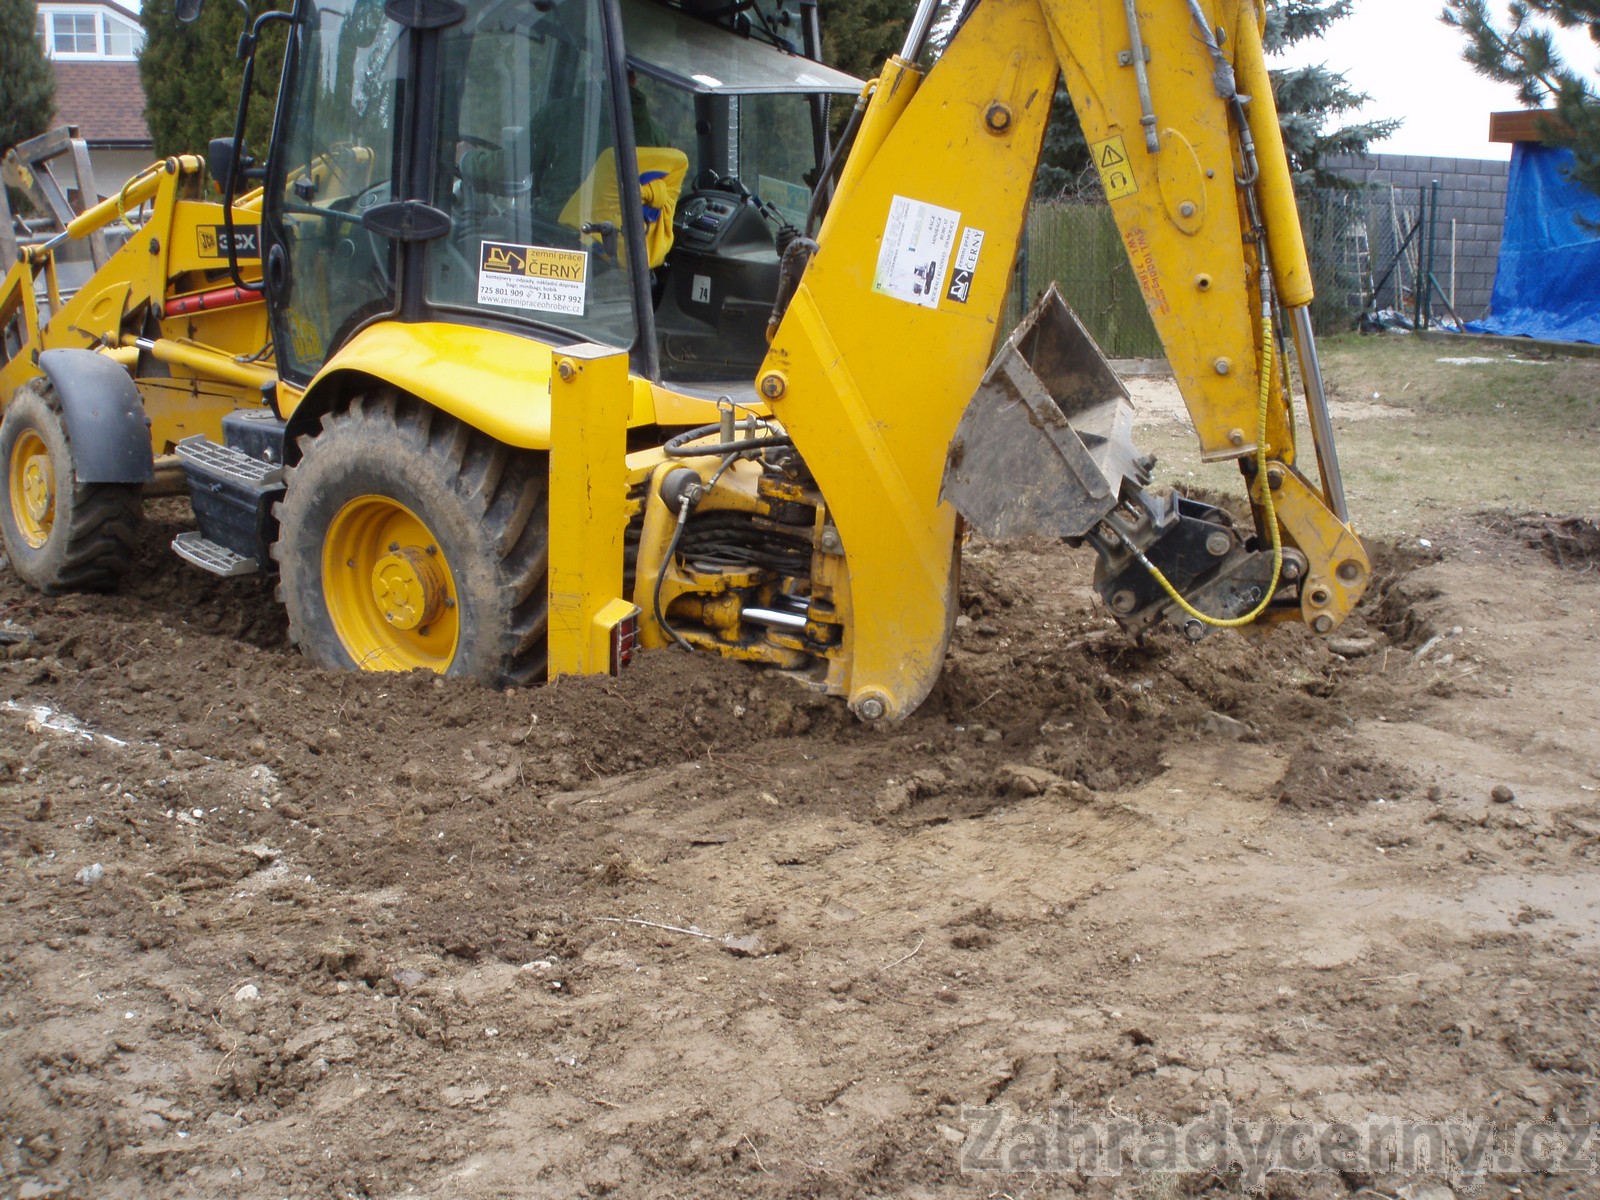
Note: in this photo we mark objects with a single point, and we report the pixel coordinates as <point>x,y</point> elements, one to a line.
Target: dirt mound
<point>1572,543</point>
<point>1321,778</point>
<point>678,922</point>
<point>1037,674</point>
<point>1396,601</point>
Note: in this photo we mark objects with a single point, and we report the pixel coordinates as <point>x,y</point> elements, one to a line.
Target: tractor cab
<point>753,116</point>
<point>612,171</point>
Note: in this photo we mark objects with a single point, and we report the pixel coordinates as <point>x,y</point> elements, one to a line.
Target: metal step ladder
<point>194,547</point>
<point>232,494</point>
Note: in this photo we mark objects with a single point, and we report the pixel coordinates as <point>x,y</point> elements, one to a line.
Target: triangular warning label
<point>1111,157</point>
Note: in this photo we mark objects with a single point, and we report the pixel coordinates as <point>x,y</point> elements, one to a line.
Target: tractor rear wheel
<point>409,540</point>
<point>61,535</point>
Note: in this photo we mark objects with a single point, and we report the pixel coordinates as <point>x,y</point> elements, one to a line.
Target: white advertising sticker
<point>966,263</point>
<point>915,254</point>
<point>543,278</point>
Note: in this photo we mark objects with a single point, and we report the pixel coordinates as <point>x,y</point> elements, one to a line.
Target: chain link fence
<point>1364,244</point>
<point>1075,244</point>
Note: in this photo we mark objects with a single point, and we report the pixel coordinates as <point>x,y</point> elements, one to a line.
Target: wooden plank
<point>88,197</point>
<point>1523,125</point>
<point>8,233</point>
<point>48,144</point>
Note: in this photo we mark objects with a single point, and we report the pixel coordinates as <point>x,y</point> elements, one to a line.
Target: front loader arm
<point>890,331</point>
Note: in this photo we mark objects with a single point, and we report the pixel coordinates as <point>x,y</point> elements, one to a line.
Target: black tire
<point>483,509</point>
<point>61,535</point>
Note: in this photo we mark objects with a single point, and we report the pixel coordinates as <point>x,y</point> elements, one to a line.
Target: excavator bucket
<point>1045,445</point>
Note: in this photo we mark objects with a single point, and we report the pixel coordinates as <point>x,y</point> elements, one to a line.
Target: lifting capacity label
<point>917,241</point>
<point>543,278</point>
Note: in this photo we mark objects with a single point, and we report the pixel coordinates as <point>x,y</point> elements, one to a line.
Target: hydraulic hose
<point>836,160</point>
<point>1227,89</point>
<point>686,444</point>
<point>1266,491</point>
<point>684,507</point>
<point>672,549</point>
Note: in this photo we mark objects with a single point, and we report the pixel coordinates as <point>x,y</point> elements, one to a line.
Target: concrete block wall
<point>1472,192</point>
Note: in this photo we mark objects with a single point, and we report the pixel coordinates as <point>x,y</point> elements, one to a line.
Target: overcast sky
<point>1400,54</point>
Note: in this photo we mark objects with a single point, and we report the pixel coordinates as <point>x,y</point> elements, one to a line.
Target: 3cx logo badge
<point>214,241</point>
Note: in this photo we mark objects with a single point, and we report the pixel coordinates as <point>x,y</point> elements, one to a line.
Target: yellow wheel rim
<point>388,588</point>
<point>33,488</point>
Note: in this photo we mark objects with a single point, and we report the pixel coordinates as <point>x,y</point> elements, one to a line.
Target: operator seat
<point>597,201</point>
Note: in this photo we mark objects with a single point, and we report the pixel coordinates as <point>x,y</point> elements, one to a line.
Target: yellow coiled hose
<point>1266,492</point>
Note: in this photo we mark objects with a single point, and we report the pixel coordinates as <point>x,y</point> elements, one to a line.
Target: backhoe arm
<point>889,334</point>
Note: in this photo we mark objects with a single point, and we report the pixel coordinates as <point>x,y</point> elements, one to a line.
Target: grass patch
<point>1518,436</point>
<point>1555,394</point>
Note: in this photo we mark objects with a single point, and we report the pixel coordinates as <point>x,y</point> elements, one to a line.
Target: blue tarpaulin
<point>1548,285</point>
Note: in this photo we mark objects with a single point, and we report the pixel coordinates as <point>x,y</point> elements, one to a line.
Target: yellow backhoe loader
<point>547,331</point>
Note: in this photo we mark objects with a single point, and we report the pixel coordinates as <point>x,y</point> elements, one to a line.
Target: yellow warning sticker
<point>1116,173</point>
<point>538,277</point>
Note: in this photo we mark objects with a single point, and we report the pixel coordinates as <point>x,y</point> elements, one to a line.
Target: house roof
<point>105,100</point>
<point>122,10</point>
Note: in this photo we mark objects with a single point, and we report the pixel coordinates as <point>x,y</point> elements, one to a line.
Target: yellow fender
<point>493,381</point>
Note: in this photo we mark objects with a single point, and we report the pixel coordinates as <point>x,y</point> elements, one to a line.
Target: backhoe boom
<point>890,330</point>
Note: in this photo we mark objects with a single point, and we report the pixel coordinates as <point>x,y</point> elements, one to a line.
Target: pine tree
<point>1064,167</point>
<point>858,35</point>
<point>1523,53</point>
<point>27,84</point>
<point>191,75</point>
<point>1310,100</point>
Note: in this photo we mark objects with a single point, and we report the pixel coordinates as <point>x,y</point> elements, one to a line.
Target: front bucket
<point>1046,443</point>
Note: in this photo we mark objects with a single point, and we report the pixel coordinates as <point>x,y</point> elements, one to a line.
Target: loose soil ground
<point>271,931</point>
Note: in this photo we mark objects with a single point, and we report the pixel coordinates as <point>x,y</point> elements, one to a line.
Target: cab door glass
<point>339,159</point>
<point>527,169</point>
<point>778,153</point>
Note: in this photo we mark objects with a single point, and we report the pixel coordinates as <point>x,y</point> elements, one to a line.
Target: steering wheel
<point>709,181</point>
<point>479,180</point>
<point>377,244</point>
